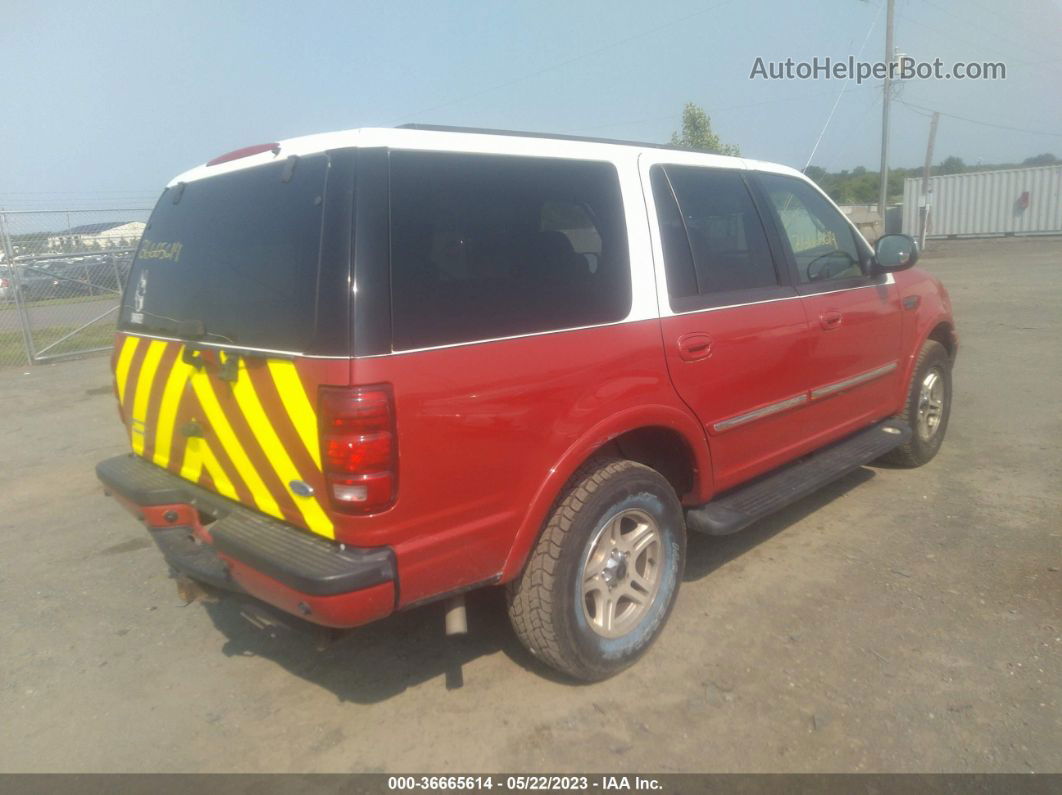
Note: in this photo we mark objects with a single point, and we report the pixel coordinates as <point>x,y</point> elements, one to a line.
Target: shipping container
<point>1017,201</point>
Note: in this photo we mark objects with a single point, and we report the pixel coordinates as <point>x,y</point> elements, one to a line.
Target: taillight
<point>359,450</point>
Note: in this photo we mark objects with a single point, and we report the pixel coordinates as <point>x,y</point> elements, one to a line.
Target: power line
<point>982,123</point>
<point>853,132</point>
<point>844,88</point>
<point>952,35</point>
<point>566,62</point>
<point>995,34</point>
<point>784,99</point>
<point>916,112</point>
<point>713,111</point>
<point>1021,30</point>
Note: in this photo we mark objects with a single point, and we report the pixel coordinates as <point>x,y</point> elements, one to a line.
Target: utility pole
<point>883,194</point>
<point>926,203</point>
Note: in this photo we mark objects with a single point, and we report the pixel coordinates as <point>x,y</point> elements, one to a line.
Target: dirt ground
<point>897,621</point>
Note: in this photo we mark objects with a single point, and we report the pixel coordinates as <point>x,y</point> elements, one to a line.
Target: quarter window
<point>821,240</point>
<point>711,233</point>
<point>487,246</point>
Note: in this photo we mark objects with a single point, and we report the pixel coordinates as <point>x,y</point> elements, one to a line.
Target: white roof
<point>474,141</point>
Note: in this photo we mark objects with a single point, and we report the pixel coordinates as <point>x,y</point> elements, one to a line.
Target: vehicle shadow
<point>705,554</point>
<point>379,661</point>
<point>376,662</point>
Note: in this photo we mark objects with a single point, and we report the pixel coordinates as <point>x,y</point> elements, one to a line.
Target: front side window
<point>489,246</point>
<point>711,233</point>
<point>820,239</point>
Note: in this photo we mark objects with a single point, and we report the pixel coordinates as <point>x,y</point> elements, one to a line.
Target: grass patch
<point>9,306</point>
<point>13,352</point>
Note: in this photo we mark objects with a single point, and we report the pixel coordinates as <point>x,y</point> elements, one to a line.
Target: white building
<point>115,234</point>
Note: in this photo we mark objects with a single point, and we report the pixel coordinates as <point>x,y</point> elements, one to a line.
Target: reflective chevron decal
<point>144,383</point>
<point>125,360</point>
<point>246,437</point>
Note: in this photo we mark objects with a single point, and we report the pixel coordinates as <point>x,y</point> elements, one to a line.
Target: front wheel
<point>602,579</point>
<point>928,407</point>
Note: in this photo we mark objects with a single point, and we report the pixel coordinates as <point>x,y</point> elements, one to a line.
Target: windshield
<point>233,259</point>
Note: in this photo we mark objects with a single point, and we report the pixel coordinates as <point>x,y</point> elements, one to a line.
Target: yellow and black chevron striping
<point>247,437</point>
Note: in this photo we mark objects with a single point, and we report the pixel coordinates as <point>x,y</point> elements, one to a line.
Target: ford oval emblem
<point>301,487</point>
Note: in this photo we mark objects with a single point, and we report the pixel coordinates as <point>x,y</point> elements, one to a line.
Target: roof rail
<point>522,134</point>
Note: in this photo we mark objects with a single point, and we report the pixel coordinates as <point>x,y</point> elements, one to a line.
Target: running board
<point>742,506</point>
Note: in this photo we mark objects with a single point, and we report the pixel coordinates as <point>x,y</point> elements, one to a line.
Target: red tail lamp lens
<point>359,447</point>
<point>359,454</point>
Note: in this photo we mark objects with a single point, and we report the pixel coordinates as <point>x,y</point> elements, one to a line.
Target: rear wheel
<point>602,579</point>
<point>928,407</point>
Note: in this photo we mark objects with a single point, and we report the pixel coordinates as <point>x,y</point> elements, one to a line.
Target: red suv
<point>368,370</point>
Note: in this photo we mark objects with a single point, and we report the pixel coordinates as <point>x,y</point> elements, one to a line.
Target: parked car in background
<point>558,357</point>
<point>44,278</point>
<point>36,282</point>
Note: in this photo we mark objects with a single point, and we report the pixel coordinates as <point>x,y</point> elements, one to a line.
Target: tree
<point>952,165</point>
<point>815,173</point>
<point>697,133</point>
<point>1046,159</point>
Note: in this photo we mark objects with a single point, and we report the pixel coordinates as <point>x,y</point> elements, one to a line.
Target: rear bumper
<point>213,539</point>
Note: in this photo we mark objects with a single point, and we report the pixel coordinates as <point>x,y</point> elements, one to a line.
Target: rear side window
<point>486,246</point>
<point>233,259</point>
<point>575,222</point>
<point>678,259</point>
<point>711,232</point>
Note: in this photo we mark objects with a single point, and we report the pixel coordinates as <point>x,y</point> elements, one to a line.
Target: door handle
<point>831,320</point>
<point>694,347</point>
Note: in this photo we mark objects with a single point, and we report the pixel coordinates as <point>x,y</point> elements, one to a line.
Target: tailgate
<point>242,426</point>
<point>235,312</point>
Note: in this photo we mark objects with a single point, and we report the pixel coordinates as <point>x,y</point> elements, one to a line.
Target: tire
<point>922,407</point>
<point>580,605</point>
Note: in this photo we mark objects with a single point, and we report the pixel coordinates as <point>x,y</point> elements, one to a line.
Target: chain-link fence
<point>61,278</point>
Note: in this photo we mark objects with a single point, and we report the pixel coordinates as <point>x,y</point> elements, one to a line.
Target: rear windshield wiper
<point>190,329</point>
<point>195,330</point>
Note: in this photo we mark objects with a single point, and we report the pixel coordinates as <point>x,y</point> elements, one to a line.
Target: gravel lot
<point>897,621</point>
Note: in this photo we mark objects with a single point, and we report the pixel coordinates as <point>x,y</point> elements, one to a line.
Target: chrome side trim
<point>837,386</point>
<point>888,281</point>
<point>228,346</point>
<point>759,413</point>
<point>403,351</point>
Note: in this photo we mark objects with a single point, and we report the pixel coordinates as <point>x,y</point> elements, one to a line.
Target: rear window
<point>233,259</point>
<point>486,246</point>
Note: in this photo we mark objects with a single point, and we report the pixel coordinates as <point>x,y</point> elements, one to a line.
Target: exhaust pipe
<point>456,616</point>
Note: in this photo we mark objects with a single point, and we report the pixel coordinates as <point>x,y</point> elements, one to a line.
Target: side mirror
<point>895,253</point>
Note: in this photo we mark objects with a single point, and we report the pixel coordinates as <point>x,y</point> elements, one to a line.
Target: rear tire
<point>928,407</point>
<point>602,579</point>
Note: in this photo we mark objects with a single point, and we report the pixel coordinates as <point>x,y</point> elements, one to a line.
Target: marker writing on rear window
<point>160,250</point>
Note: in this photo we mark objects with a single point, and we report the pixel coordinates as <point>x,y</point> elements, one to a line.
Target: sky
<point>102,103</point>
